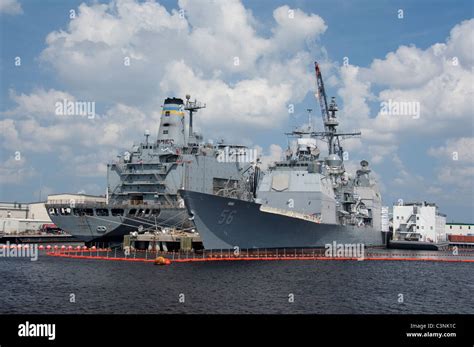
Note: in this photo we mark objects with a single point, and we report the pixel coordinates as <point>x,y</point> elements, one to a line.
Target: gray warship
<point>142,184</point>
<point>301,201</point>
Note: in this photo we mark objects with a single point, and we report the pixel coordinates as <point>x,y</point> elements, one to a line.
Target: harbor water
<point>61,285</point>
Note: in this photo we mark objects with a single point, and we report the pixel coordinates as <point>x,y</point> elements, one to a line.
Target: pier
<point>36,238</point>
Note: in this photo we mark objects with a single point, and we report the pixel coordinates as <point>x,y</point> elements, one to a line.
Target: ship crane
<point>329,117</point>
<point>321,95</point>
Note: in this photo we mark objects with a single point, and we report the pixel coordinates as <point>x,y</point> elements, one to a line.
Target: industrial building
<point>459,229</point>
<point>22,217</point>
<point>419,222</point>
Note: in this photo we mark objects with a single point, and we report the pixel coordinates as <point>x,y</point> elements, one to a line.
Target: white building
<point>22,217</point>
<point>459,229</point>
<point>418,221</point>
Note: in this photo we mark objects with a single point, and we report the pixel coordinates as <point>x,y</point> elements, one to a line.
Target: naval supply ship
<point>301,201</point>
<point>142,184</point>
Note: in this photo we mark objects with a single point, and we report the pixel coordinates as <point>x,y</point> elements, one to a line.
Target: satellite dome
<point>333,160</point>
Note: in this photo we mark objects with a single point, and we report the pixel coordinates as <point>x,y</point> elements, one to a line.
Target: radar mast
<point>191,107</point>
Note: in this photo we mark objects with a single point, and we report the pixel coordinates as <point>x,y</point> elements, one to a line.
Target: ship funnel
<point>172,122</point>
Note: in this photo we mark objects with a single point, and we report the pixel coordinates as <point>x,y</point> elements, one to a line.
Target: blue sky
<point>414,161</point>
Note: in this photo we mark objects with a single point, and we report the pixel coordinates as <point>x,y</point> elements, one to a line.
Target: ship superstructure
<point>302,201</point>
<point>142,183</point>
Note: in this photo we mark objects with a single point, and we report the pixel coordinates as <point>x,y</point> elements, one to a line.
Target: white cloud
<point>269,157</point>
<point>461,43</point>
<point>10,7</point>
<point>443,89</point>
<point>248,102</point>
<point>84,144</point>
<point>455,165</point>
<point>34,125</point>
<point>459,176</point>
<point>39,104</point>
<point>460,149</point>
<point>294,28</point>
<point>271,71</point>
<point>13,171</point>
<point>404,177</point>
<point>407,67</point>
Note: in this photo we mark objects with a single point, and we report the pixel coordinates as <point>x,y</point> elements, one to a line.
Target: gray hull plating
<point>91,228</point>
<point>228,223</point>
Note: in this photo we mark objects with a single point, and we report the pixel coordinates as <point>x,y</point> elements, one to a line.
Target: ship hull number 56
<point>226,217</point>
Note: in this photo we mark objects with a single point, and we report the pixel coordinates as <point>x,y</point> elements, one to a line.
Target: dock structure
<point>169,240</point>
<point>418,245</point>
<point>462,241</point>
<point>36,238</point>
<point>146,256</point>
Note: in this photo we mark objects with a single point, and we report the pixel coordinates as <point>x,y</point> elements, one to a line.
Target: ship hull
<point>112,228</point>
<point>228,223</point>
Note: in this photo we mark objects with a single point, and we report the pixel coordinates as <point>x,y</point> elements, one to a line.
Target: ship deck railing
<point>74,202</point>
<point>79,204</point>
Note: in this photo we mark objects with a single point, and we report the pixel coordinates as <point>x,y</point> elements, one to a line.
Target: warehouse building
<point>17,218</point>
<point>466,229</point>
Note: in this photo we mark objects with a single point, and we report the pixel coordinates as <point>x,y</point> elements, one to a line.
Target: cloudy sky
<point>251,62</point>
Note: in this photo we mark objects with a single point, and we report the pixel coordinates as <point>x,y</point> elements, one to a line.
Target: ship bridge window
<point>147,212</point>
<point>83,212</point>
<point>117,212</point>
<point>155,212</point>
<point>167,113</point>
<point>102,212</point>
<point>52,211</point>
<point>65,211</point>
<point>140,212</point>
<point>165,132</point>
<point>132,211</point>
